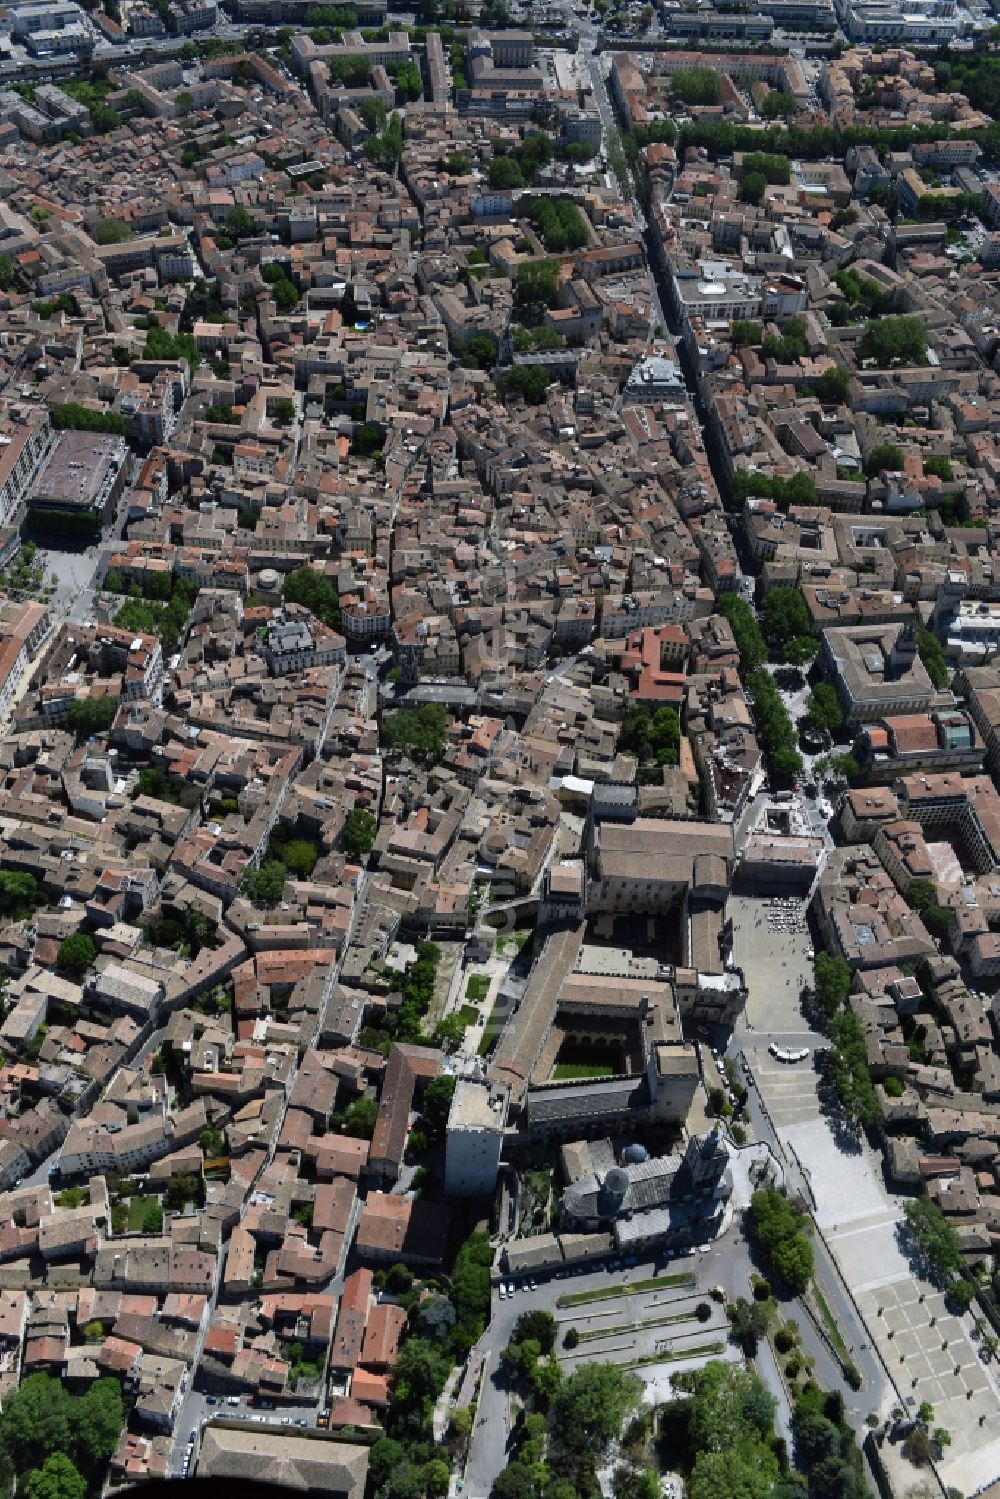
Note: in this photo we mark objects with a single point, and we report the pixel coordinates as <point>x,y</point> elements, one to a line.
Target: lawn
<point>478,987</point>
<point>672,1358</point>
<point>609,1293</point>
<point>833,1331</point>
<point>516,940</point>
<point>569,1070</point>
<point>137,1210</point>
<point>467,1014</point>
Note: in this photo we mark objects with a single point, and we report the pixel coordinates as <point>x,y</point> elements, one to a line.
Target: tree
<point>698,86</point>
<point>110,232</point>
<point>182,1188</point>
<point>895,340</point>
<point>57,1478</point>
<point>849,1072</point>
<point>184,101</point>
<point>793,1261</point>
<point>846,766</point>
<point>832,979</point>
<point>420,1373</point>
<point>785,614</point>
<point>436,1103</point>
<point>748,1321</point>
<point>398,1279</point>
<point>592,1406</point>
<point>800,650</point>
<point>360,1117</point>
<point>384,1457</point>
<point>514,1482</point>
<point>885,455</point>
<point>734,1474</point>
<point>360,827</point>
<point>777,1227</point>
<point>299,856</point>
<point>538,1326</point>
<point>434,1318</point>
<point>239,224</point>
<point>436,1478</point>
<point>283,409</point>
<point>315,591</point>
<point>91,715</point>
<point>18,892</point>
<point>372,112</point>
<point>932,656</point>
<point>470,1291</point>
<point>940,467</point>
<point>730,1410</point>
<point>504,174</point>
<point>753,186</point>
<point>936,1240</point>
<point>537,283</point>
<point>746,631</point>
<point>264,886</point>
<point>152,1218</point>
<point>76,954</point>
<point>744,333</point>
<point>834,385</point>
<point>636,1483</point>
<point>816,1437</point>
<point>405,1482</point>
<point>823,709</point>
<point>421,731</point>
<point>212,1142</point>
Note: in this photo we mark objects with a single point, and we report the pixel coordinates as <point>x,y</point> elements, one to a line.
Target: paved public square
<point>775,964</point>
<point>931,1357</point>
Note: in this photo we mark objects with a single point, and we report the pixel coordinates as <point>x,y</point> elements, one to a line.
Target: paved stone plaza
<point>931,1357</point>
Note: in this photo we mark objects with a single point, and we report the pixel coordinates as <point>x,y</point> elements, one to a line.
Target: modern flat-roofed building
<point>474,1139</point>
<point>83,476</point>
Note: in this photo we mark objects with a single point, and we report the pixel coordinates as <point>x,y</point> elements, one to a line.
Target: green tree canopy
<point>266,885</point>
<point>753,186</point>
<point>537,283</point>
<point>504,174</point>
<point>932,655</point>
<point>76,954</point>
<point>420,731</point>
<point>360,827</point>
<point>823,709</point>
<point>895,340</point>
<point>360,1117</point>
<point>593,1404</point>
<point>832,979</point>
<point>935,1238</point>
<point>746,631</point>
<point>849,1070</point>
<point>885,455</point>
<point>785,614</point>
<point>313,589</point>
<point>834,385</point>
<point>777,1227</point>
<point>57,1478</point>
<point>436,1102</point>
